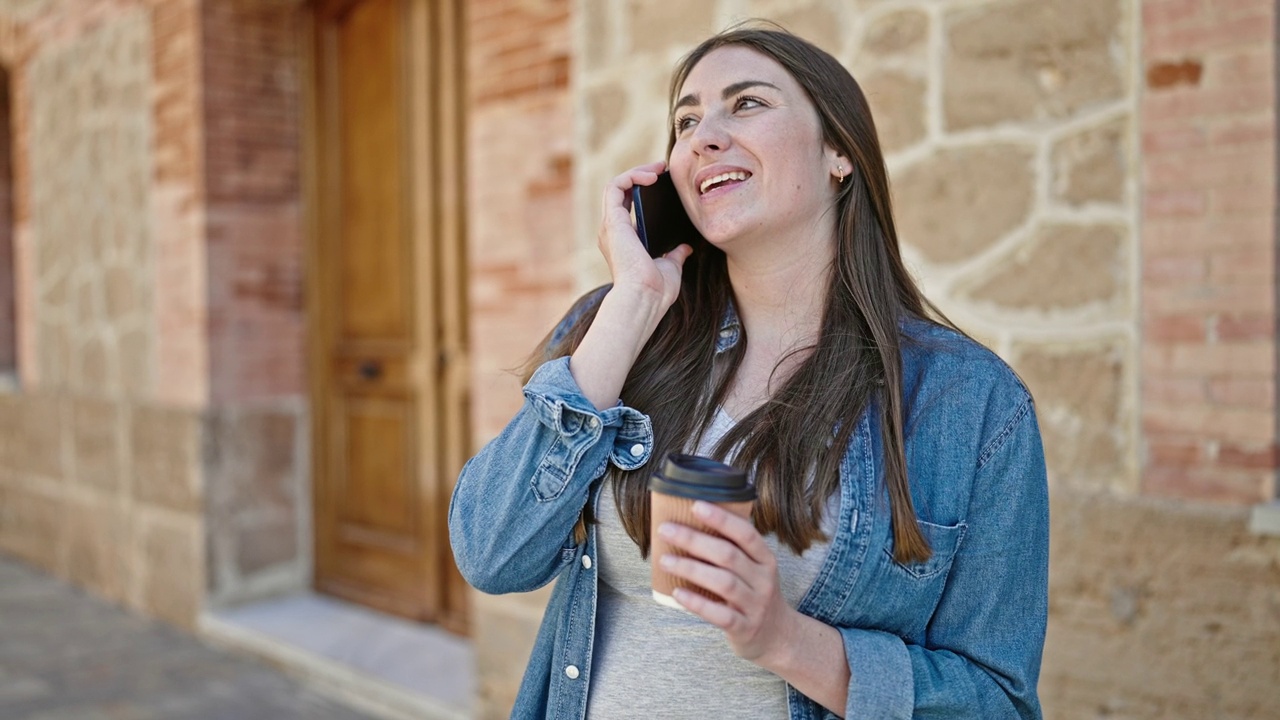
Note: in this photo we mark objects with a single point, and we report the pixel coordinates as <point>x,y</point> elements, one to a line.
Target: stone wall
<point>1017,135</point>
<point>100,477</point>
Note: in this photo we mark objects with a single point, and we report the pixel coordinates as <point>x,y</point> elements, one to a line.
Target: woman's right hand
<point>629,263</point>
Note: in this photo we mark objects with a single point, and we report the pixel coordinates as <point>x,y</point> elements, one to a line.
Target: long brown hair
<point>805,426</point>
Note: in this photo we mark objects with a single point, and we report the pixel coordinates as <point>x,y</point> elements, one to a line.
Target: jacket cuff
<point>880,675</point>
<point>561,406</point>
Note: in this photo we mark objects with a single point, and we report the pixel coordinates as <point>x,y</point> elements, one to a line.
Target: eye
<point>747,102</point>
<point>684,122</point>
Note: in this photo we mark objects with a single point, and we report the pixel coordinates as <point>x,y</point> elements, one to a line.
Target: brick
<point>1166,74</point>
<point>1251,298</point>
<point>1211,484</point>
<point>1243,359</point>
<point>1172,236</point>
<point>1199,38</point>
<point>1174,391</point>
<point>1175,453</point>
<point>1181,268</point>
<point>1254,67</point>
<point>1256,199</point>
<point>1164,14</point>
<point>1182,103</point>
<point>1191,328</point>
<point>1254,393</point>
<point>1207,169</point>
<point>1173,139</point>
<point>1248,457</point>
<point>1245,425</point>
<point>1258,130</point>
<point>1245,328</point>
<point>1175,203</point>
<point>1243,265</point>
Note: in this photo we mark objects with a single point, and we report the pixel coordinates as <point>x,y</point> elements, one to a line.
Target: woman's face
<point>749,157</point>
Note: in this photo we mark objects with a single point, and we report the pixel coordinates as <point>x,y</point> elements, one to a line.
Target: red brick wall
<point>257,340</point>
<point>519,160</point>
<point>1208,247</point>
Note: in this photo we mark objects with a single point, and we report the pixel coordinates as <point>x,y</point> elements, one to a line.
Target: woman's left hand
<point>741,569</point>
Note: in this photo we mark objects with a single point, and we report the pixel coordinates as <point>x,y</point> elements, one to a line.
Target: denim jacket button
<point>572,672</point>
<point>637,450</point>
<point>592,422</point>
<point>586,561</point>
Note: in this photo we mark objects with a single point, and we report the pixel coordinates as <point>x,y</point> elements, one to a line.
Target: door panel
<point>373,264</point>
<point>385,269</point>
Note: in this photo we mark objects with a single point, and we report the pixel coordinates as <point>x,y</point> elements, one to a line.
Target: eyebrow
<point>728,92</point>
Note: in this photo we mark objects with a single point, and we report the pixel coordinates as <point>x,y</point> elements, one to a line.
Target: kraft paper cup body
<point>669,508</point>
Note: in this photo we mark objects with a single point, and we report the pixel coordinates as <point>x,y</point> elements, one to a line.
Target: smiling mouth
<point>722,180</point>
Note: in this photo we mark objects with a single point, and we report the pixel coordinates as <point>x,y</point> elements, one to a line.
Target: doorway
<point>386,301</point>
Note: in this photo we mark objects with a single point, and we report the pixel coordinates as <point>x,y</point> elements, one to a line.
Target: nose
<point>709,136</point>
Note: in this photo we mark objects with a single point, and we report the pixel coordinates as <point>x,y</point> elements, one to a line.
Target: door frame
<point>436,215</point>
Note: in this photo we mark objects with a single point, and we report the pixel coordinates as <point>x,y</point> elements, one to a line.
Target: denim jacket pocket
<point>943,540</point>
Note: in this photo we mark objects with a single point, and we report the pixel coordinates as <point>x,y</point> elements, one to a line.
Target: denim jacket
<point>959,635</point>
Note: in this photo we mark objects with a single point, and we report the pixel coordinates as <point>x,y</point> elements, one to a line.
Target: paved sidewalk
<point>67,656</point>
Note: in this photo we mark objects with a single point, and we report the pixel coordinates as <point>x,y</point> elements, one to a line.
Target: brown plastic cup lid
<point>700,478</point>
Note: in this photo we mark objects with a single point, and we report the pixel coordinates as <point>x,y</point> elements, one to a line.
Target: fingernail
<point>666,561</point>
<point>701,509</point>
<point>666,530</point>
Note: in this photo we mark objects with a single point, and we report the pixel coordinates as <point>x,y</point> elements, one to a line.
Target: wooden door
<point>388,392</point>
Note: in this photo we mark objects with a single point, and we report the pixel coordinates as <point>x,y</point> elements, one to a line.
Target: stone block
<point>53,352</point>
<point>39,448</point>
<point>165,449</point>
<point>93,365</point>
<point>170,582</point>
<point>136,359</point>
<point>960,201</point>
<point>819,22</point>
<point>1080,397</point>
<point>897,106</point>
<point>95,545</point>
<point>657,25</point>
<point>896,34</point>
<point>10,424</point>
<point>1063,267</point>
<point>1092,166</point>
<point>1032,60</point>
<point>597,42</point>
<point>95,441</point>
<point>123,298</point>
<point>606,113</point>
<point>31,521</point>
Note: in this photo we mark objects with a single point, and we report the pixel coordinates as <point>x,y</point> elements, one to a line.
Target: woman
<point>896,562</point>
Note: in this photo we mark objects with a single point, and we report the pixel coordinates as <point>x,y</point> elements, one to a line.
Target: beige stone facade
<point>1088,186</point>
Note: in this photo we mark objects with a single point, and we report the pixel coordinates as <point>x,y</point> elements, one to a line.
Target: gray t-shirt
<point>651,661</point>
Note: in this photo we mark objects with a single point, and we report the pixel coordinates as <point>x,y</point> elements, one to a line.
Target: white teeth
<point>722,177</point>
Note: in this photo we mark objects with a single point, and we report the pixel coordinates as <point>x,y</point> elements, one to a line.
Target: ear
<point>838,163</point>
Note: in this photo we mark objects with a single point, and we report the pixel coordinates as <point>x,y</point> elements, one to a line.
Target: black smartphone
<point>661,221</point>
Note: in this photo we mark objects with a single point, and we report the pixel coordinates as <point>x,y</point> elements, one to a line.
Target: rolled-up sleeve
<point>515,502</point>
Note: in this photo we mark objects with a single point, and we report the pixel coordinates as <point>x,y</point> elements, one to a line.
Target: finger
<point>722,583</point>
<point>741,531</point>
<point>718,614</point>
<point>708,548</point>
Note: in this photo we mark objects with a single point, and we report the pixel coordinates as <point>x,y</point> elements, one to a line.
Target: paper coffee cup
<point>682,480</point>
